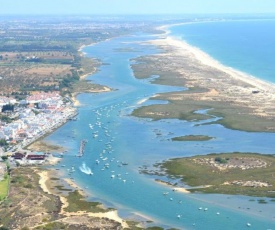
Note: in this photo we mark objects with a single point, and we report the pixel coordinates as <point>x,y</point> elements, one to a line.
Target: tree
<point>3,142</point>
<point>8,107</point>
<point>220,160</point>
<point>4,158</point>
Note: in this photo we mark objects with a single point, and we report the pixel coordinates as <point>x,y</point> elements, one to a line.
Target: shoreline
<point>77,103</point>
<point>83,77</point>
<point>50,130</point>
<point>208,60</point>
<point>45,176</point>
<point>173,188</point>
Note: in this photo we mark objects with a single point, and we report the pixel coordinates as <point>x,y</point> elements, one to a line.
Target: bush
<point>220,160</point>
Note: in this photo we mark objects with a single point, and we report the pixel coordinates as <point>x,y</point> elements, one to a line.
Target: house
<point>18,156</point>
<point>35,157</point>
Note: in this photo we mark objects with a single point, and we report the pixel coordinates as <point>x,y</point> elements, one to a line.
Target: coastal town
<point>23,122</point>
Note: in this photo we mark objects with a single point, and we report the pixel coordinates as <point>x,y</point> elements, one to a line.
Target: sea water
<point>246,45</point>
<point>119,144</point>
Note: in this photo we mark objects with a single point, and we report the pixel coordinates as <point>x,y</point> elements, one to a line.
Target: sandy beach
<point>173,188</point>
<point>207,60</point>
<point>93,89</point>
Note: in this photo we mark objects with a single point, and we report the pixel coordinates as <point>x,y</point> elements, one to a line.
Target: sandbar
<point>243,101</point>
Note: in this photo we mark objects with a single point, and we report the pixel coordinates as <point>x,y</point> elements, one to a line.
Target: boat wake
<point>85,169</point>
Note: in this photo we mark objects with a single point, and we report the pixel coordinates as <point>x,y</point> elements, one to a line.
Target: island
<point>248,174</point>
<point>192,138</point>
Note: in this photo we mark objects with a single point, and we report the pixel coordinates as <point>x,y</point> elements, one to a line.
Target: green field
<point>4,187</point>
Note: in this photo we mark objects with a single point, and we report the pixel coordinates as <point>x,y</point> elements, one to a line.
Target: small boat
<point>248,225</point>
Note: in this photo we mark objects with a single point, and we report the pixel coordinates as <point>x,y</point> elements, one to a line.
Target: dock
<point>82,148</point>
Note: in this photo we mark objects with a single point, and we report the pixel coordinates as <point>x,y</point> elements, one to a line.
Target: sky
<point>92,7</point>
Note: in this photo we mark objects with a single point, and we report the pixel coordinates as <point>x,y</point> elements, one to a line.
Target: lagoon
<point>123,144</point>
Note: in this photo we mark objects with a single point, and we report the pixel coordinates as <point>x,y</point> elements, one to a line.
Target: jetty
<point>82,148</point>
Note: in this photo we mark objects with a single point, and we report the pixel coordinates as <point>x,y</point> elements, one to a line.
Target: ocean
<point>246,45</point>
<point>119,144</point>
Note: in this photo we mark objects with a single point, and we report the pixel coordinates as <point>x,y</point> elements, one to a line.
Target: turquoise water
<point>244,45</point>
<point>118,145</point>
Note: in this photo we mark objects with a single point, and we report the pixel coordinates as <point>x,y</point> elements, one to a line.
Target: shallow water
<point>119,144</point>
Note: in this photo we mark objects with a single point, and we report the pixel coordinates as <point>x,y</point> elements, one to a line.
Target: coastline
<point>173,188</point>
<point>210,85</point>
<point>47,132</point>
<point>208,60</point>
<point>45,176</point>
<point>87,87</point>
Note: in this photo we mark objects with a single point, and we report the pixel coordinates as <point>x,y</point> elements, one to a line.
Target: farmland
<point>43,54</point>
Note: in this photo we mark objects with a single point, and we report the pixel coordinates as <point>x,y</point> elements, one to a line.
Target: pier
<point>82,148</point>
